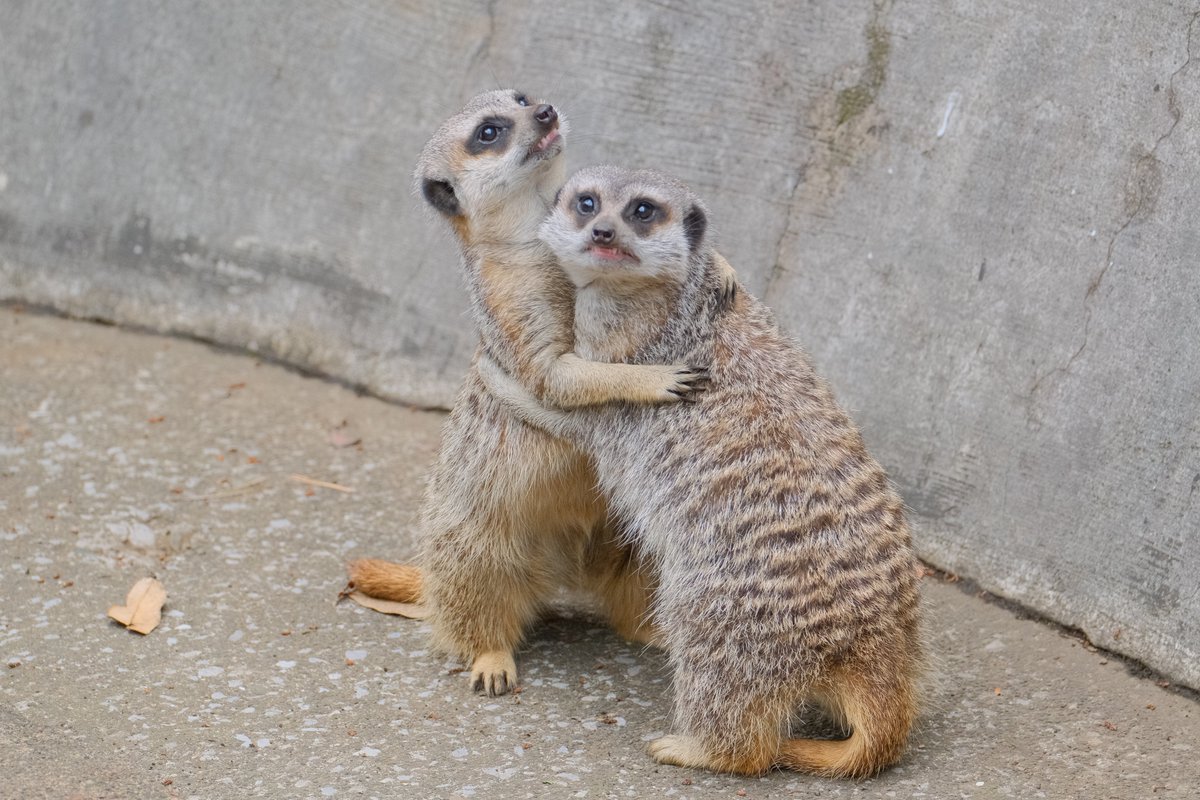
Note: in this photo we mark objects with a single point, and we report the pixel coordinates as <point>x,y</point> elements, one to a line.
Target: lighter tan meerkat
<point>511,513</point>
<point>786,576</point>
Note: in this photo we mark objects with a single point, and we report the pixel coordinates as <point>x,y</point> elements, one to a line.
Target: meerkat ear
<point>694,225</point>
<point>440,195</point>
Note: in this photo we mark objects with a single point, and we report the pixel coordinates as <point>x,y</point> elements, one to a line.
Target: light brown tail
<point>386,580</point>
<point>879,709</point>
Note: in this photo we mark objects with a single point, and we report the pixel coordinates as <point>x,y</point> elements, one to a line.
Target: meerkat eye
<point>522,100</point>
<point>644,211</point>
<point>487,133</point>
<point>586,204</point>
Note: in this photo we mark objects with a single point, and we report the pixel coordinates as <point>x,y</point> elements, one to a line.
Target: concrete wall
<point>980,218</point>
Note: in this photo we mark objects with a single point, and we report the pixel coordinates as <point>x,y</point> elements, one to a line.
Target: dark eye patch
<point>584,207</point>
<point>490,135</point>
<point>644,214</point>
<point>521,99</point>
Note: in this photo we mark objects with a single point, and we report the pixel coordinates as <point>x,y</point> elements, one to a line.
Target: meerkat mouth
<point>543,146</point>
<point>611,253</point>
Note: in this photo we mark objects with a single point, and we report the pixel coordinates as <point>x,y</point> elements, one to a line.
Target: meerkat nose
<point>603,235</point>
<point>545,114</point>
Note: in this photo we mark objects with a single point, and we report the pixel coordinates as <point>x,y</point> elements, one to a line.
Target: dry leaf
<point>143,606</point>
<point>409,610</point>
<point>344,438</point>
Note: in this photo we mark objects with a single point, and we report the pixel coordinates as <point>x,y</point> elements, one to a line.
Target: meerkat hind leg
<point>626,598</point>
<point>688,751</point>
<point>680,751</point>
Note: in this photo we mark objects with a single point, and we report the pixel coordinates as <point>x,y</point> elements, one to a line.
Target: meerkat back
<point>787,576</point>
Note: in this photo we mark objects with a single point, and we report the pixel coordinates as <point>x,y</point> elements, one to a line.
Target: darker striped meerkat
<point>786,575</point>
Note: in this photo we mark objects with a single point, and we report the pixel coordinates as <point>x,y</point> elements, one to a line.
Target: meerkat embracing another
<point>510,513</point>
<point>786,576</point>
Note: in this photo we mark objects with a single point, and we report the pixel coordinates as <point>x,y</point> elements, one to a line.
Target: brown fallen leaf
<point>344,435</point>
<point>409,610</point>
<point>143,606</point>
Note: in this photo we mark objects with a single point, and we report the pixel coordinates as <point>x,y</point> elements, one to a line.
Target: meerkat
<point>511,513</point>
<point>786,576</point>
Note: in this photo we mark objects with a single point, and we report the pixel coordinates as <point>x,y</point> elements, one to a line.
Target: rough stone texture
<point>123,455</point>
<point>979,217</point>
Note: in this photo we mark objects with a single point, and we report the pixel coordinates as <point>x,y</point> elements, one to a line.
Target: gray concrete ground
<point>124,455</point>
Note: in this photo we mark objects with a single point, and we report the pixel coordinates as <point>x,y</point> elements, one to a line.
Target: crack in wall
<point>1145,164</point>
<point>483,51</point>
<point>777,262</point>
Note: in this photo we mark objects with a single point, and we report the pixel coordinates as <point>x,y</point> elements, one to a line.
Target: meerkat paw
<point>494,672</point>
<point>728,288</point>
<point>685,382</point>
<point>680,751</point>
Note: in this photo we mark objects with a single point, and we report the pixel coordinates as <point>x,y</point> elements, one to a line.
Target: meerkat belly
<point>491,465</point>
<point>764,487</point>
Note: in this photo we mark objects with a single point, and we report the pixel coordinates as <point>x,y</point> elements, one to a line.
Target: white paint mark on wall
<point>951,102</point>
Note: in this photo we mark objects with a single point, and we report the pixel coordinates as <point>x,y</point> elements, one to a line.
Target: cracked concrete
<point>126,454</point>
<point>1146,181</point>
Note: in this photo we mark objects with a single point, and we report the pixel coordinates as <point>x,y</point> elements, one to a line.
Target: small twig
<point>337,487</point>
<point>227,492</point>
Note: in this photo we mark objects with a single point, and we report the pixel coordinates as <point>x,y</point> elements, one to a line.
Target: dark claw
<point>728,295</point>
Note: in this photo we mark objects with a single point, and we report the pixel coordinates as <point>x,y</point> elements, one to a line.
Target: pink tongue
<point>610,253</point>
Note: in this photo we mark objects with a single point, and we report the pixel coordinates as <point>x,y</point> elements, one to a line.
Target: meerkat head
<point>625,226</point>
<point>502,148</point>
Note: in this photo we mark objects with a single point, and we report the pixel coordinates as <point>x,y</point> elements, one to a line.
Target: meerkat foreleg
<point>572,382</point>
<point>520,402</point>
<point>728,277</point>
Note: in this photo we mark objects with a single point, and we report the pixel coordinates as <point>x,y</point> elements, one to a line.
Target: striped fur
<point>786,576</point>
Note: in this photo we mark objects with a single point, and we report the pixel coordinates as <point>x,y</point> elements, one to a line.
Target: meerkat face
<point>503,143</point>
<point>617,225</point>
